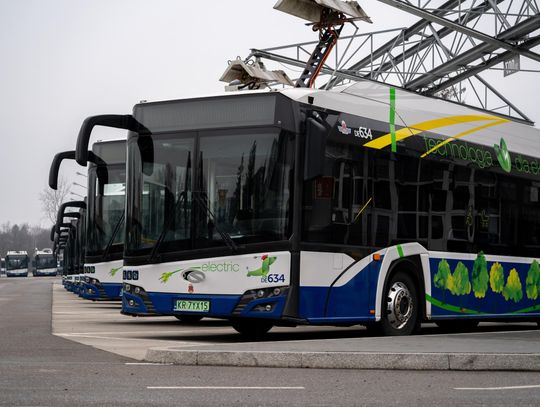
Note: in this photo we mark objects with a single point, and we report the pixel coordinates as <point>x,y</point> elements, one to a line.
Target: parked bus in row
<point>299,206</point>
<point>105,222</point>
<point>45,263</point>
<point>103,229</point>
<point>17,263</point>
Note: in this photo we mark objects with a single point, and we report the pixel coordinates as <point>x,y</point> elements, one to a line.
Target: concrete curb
<point>348,360</point>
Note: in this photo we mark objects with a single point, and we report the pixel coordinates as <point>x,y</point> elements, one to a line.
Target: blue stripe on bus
<point>354,301</point>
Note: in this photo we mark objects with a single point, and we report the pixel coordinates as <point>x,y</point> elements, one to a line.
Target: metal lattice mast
<point>443,54</point>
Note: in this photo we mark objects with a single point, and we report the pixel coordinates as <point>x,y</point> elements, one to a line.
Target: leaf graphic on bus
<point>503,156</point>
<point>167,275</point>
<point>114,271</point>
<point>264,269</point>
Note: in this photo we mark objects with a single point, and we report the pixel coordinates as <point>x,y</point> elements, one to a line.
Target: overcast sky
<point>64,60</point>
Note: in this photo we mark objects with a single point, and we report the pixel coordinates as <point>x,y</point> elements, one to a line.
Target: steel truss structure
<point>441,55</point>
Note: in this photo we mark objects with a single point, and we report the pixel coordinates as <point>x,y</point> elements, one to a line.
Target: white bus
<point>364,204</point>
<point>105,221</point>
<point>45,263</point>
<point>17,263</point>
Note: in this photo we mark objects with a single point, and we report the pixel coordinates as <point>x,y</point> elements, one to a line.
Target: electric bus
<point>70,239</point>
<point>363,204</point>
<point>45,263</point>
<point>103,231</point>
<point>17,263</point>
<point>105,222</point>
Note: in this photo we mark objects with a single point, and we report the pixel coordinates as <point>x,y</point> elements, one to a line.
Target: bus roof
<point>416,114</point>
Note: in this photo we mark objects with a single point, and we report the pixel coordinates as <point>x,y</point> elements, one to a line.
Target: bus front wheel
<point>400,311</point>
<point>252,328</point>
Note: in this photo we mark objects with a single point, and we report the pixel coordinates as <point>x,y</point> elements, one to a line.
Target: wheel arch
<point>413,258</point>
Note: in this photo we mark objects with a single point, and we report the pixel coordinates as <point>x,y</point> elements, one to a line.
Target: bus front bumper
<point>263,303</point>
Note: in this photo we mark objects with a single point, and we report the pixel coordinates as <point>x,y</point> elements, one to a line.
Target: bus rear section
<point>16,264</point>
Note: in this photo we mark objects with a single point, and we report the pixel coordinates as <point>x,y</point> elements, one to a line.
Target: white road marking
<point>223,388</point>
<point>532,386</point>
<point>146,364</point>
<point>149,331</point>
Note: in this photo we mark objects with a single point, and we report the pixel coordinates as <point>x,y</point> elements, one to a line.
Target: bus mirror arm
<point>62,209</point>
<point>146,147</point>
<point>126,122</point>
<point>315,144</point>
<point>55,166</point>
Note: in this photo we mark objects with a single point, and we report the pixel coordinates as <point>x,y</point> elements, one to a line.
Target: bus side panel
<point>355,299</point>
<point>491,288</point>
<point>318,271</point>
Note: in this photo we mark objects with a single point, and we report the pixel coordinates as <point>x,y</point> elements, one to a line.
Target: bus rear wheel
<point>188,319</point>
<point>252,328</point>
<point>400,311</point>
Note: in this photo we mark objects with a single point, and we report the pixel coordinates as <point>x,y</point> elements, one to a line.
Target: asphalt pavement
<point>501,347</point>
<point>38,368</point>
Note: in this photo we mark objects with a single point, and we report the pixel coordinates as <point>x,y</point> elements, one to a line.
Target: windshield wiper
<point>115,232</point>
<point>167,225</point>
<point>224,235</point>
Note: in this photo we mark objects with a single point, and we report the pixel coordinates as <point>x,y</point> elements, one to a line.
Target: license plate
<point>192,306</point>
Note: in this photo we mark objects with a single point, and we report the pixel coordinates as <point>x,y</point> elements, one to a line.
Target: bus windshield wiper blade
<point>224,235</point>
<point>113,236</point>
<point>167,226</point>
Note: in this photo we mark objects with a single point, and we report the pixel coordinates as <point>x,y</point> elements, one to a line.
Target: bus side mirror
<point>126,122</point>
<point>146,148</point>
<point>55,167</point>
<point>315,145</point>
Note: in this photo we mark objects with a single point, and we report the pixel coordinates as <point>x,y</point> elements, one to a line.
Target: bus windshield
<point>16,262</point>
<point>106,210</point>
<point>45,262</point>
<point>206,189</point>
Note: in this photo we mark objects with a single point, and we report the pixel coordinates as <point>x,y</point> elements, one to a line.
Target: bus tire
<point>457,325</point>
<point>252,328</point>
<point>189,319</point>
<point>401,306</point>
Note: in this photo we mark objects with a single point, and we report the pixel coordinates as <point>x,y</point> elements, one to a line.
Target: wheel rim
<point>399,305</point>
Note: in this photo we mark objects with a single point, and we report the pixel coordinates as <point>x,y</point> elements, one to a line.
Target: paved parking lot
<point>502,346</point>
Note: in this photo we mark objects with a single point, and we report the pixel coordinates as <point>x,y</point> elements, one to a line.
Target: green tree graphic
<point>496,277</point>
<point>460,279</point>
<point>532,283</point>
<point>480,276</point>
<point>513,289</point>
<point>443,275</point>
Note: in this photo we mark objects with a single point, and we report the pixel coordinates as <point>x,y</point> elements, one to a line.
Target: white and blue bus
<point>105,221</point>
<point>45,263</point>
<point>69,241</point>
<point>17,263</point>
<point>101,231</point>
<point>363,204</point>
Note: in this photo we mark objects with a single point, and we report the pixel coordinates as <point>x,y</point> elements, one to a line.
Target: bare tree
<point>52,199</point>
